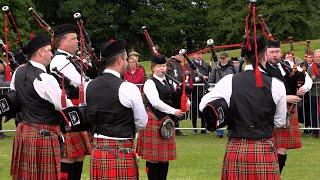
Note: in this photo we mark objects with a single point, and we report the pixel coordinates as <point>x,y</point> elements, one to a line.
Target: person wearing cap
<point>198,91</point>
<point>135,73</point>
<point>36,147</point>
<point>254,112</point>
<point>287,137</point>
<point>155,147</point>
<point>116,116</point>
<point>77,144</point>
<point>224,68</point>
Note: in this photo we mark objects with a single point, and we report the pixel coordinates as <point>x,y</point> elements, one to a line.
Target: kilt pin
<point>113,160</point>
<point>289,137</point>
<point>250,159</point>
<point>39,152</point>
<point>151,146</point>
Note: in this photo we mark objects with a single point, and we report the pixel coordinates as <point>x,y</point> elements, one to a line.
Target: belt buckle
<point>44,132</point>
<point>124,150</point>
<point>120,144</point>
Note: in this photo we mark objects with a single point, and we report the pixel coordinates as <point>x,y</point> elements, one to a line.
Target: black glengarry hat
<point>273,44</point>
<point>64,29</point>
<point>112,48</point>
<point>158,59</point>
<point>261,46</point>
<point>37,43</point>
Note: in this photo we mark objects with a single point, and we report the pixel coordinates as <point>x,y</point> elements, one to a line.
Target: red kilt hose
<point>113,160</point>
<point>77,144</point>
<point>35,156</point>
<point>151,146</point>
<point>250,159</point>
<point>288,138</point>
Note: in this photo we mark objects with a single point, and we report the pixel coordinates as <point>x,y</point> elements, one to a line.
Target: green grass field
<point>199,157</point>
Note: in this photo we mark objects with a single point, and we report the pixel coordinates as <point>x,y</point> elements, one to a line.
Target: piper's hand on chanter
<point>313,77</point>
<point>179,113</point>
<point>293,99</point>
<point>301,92</point>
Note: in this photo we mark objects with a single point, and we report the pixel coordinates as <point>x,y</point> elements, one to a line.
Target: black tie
<point>278,70</point>
<point>166,84</point>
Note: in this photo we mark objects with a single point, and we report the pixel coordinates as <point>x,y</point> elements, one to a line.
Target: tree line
<point>172,24</point>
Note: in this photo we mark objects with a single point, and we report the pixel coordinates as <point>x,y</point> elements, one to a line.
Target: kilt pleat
<point>151,146</point>
<point>35,156</point>
<point>77,144</point>
<point>290,137</point>
<point>250,160</point>
<point>113,164</point>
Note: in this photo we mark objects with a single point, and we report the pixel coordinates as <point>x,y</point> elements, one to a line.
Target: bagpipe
<point>86,48</point>
<point>13,60</point>
<point>72,118</point>
<point>41,23</point>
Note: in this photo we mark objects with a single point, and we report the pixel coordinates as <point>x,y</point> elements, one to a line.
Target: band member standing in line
<point>116,113</point>
<point>255,111</point>
<point>287,137</point>
<point>77,144</point>
<point>36,147</point>
<point>156,147</point>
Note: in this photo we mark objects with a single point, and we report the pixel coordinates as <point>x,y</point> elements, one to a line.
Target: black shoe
<point>194,132</point>
<point>2,135</point>
<point>179,133</point>
<point>203,132</point>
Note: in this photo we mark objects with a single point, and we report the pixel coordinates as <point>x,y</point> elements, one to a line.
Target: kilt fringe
<point>151,146</point>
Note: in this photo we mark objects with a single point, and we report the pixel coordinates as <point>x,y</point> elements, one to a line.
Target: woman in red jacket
<point>135,73</point>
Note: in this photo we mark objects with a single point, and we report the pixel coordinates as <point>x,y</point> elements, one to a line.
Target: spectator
<point>314,73</point>
<point>224,68</point>
<point>198,91</point>
<point>3,83</point>
<point>304,112</point>
<point>135,73</point>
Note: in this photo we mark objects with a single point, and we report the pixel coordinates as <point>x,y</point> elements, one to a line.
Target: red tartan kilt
<point>77,144</point>
<point>288,137</point>
<point>35,156</point>
<point>250,159</point>
<point>151,146</point>
<point>112,164</point>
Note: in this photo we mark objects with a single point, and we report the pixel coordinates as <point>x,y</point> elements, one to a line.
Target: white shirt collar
<point>250,67</point>
<point>65,52</point>
<point>158,78</point>
<point>38,65</point>
<point>112,72</point>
